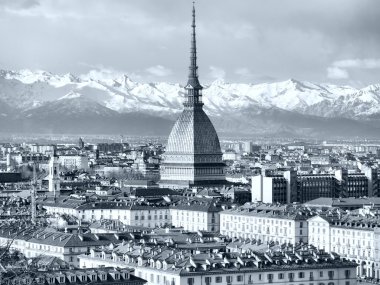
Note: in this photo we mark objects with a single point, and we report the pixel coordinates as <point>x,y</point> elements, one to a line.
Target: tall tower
<point>9,162</point>
<point>54,182</point>
<point>80,143</point>
<point>33,196</point>
<point>193,156</point>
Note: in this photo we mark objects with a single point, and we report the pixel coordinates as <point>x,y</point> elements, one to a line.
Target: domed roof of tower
<point>193,133</point>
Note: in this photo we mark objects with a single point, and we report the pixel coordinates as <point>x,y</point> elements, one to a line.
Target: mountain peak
<point>119,93</point>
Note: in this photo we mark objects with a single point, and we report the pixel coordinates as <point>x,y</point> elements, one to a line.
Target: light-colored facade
<point>54,180</point>
<point>353,239</point>
<point>195,220</point>
<point>278,225</point>
<point>33,242</point>
<point>196,215</point>
<point>129,213</point>
<point>44,149</point>
<point>74,161</point>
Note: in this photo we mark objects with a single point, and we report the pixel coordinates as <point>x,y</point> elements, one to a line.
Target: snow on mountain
<point>30,89</point>
<point>70,95</point>
<point>75,114</point>
<point>100,102</point>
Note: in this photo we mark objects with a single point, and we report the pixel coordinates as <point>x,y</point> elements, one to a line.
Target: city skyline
<point>255,184</point>
<point>241,41</point>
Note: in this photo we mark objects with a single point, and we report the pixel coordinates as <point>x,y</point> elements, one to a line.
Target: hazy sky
<point>336,41</point>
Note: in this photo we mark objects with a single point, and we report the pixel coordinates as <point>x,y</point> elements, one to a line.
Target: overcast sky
<point>238,40</point>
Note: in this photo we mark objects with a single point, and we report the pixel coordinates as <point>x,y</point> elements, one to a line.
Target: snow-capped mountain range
<point>245,108</point>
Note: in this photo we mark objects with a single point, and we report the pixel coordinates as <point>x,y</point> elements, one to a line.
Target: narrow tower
<point>193,156</point>
<point>54,182</point>
<point>9,162</point>
<point>33,196</point>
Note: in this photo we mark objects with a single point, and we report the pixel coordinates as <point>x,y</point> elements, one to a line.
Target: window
<point>291,276</point>
<point>331,275</point>
<point>190,281</point>
<point>311,276</point>
<point>347,274</point>
<point>229,279</point>
<point>260,277</point>
<point>208,280</point>
<point>301,274</point>
<point>320,273</point>
<point>347,282</point>
<point>280,275</point>
<point>239,278</point>
<point>218,279</point>
<point>270,278</point>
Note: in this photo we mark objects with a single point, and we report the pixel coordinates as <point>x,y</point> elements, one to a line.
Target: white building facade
<point>356,241</point>
<point>265,225</point>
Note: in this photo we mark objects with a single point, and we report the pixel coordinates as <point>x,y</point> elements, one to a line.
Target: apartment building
<point>279,223</point>
<point>132,213</point>
<point>354,236</point>
<point>160,265</point>
<point>197,214</point>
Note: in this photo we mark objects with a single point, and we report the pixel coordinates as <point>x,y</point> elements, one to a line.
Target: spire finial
<point>193,86</point>
<point>193,81</point>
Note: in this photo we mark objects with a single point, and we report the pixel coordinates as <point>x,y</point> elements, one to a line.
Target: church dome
<point>193,133</point>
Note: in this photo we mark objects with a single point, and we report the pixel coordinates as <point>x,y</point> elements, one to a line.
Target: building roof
<point>76,240</point>
<point>350,202</point>
<point>187,263</point>
<point>272,211</point>
<point>81,276</point>
<point>127,205</point>
<point>198,204</point>
<point>193,133</point>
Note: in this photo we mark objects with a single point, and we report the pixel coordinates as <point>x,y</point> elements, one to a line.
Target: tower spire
<point>193,86</point>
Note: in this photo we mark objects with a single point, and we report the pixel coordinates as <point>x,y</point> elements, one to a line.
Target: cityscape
<point>209,184</point>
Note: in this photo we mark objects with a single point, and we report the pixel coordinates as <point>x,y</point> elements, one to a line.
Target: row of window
<point>256,220</point>
<point>149,217</point>
<point>270,277</point>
